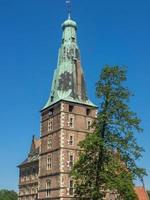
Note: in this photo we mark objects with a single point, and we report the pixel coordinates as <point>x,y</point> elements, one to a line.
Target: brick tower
<point>65,120</point>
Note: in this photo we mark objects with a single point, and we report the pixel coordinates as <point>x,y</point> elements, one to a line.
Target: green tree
<point>148,192</point>
<point>107,160</point>
<point>8,195</point>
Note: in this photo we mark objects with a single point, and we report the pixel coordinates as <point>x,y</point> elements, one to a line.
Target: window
<point>33,190</point>
<point>21,192</point>
<point>48,188</point>
<point>50,124</point>
<point>73,39</point>
<point>49,142</point>
<point>22,175</point>
<point>89,123</point>
<point>87,112</point>
<point>71,189</point>
<point>50,111</point>
<point>32,198</point>
<point>70,108</point>
<point>33,172</point>
<point>27,174</point>
<point>71,121</point>
<point>49,162</point>
<point>52,98</point>
<point>71,160</point>
<point>71,140</point>
<point>27,191</point>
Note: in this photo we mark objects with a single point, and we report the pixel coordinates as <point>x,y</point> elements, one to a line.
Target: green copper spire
<point>68,81</point>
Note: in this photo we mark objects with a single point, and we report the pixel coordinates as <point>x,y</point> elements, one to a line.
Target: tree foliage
<point>8,195</point>
<point>107,160</point>
<point>148,192</point>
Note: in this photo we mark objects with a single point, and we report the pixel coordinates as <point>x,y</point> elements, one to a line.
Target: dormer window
<point>52,98</point>
<point>73,39</point>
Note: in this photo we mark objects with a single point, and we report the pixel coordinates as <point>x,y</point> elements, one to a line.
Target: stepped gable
<point>141,193</point>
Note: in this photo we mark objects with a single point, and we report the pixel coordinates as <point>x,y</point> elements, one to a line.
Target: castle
<point>65,120</point>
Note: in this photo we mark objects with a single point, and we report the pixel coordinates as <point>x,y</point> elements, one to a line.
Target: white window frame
<point>71,141</point>
<point>49,142</point>
<point>32,190</point>
<point>88,124</point>
<point>70,162</point>
<point>49,162</point>
<point>71,189</point>
<point>27,191</point>
<point>48,188</point>
<point>50,125</point>
<point>33,175</point>
<point>71,121</point>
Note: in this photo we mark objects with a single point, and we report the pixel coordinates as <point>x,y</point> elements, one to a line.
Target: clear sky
<point>109,32</point>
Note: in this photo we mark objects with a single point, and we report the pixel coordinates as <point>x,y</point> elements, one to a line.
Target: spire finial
<point>68,2</point>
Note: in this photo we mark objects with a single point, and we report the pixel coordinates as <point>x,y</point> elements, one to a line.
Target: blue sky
<point>109,32</point>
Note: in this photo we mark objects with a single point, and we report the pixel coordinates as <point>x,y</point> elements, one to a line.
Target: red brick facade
<point>69,127</point>
<point>65,121</point>
<point>63,126</point>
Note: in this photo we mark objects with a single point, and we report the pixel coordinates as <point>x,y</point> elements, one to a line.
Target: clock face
<point>65,81</point>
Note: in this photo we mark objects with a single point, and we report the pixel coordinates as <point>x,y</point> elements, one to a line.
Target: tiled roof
<point>141,193</point>
<point>30,159</point>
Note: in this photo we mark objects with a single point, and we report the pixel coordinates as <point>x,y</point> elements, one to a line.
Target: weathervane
<point>68,2</point>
